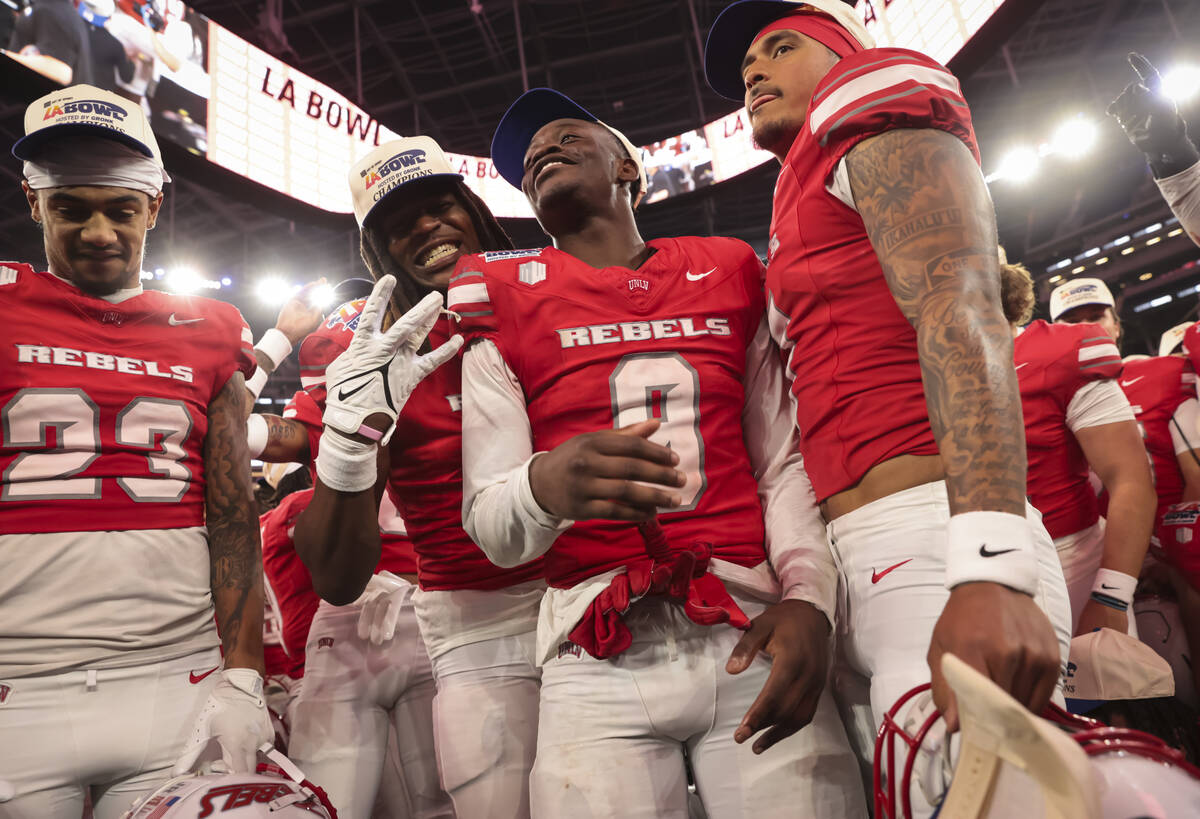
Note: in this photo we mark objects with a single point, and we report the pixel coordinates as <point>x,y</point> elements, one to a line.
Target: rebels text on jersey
<point>425,481</point>
<point>851,353</point>
<point>1053,362</point>
<point>603,348</point>
<point>105,406</point>
<point>1156,387</point>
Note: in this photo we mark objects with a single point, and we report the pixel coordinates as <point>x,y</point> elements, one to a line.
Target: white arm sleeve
<point>499,511</point>
<point>1098,403</point>
<point>1186,418</point>
<point>797,545</point>
<point>1182,192</point>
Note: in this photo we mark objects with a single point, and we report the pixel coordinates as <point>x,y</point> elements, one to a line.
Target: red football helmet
<point>277,790</point>
<point>1138,775</point>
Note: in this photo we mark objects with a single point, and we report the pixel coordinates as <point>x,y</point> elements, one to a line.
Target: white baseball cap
<point>1171,339</point>
<point>1078,293</point>
<point>393,165</point>
<point>85,110</point>
<point>1109,665</point>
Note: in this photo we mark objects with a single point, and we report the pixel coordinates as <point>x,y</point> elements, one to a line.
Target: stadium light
<point>1019,165</point>
<point>1075,137</point>
<point>183,280</point>
<point>1182,82</point>
<point>323,296</point>
<point>272,291</point>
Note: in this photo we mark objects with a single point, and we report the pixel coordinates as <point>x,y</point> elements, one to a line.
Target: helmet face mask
<point>1138,775</point>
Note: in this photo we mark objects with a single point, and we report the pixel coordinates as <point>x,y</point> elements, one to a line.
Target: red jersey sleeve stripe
<point>1096,352</point>
<point>840,80</point>
<point>863,94</point>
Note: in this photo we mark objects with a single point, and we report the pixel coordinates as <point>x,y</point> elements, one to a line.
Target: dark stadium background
<point>448,68</point>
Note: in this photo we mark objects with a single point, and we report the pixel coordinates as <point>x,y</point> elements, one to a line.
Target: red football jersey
<point>425,481</point>
<point>1156,387</point>
<point>288,578</point>
<point>1053,361</point>
<point>1191,345</point>
<point>851,353</point>
<point>598,349</point>
<point>104,407</point>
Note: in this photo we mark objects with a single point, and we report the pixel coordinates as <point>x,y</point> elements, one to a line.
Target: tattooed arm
<point>287,441</point>
<point>234,551</point>
<point>930,219</point>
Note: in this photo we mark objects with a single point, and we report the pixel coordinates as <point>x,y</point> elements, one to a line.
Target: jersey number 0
<point>666,387</point>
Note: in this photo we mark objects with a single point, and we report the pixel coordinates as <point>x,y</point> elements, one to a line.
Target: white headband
<point>87,160</point>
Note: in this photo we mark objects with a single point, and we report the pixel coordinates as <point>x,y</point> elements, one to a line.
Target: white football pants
<point>485,724</point>
<point>891,557</point>
<point>612,733</point>
<point>114,732</point>
<point>352,693</point>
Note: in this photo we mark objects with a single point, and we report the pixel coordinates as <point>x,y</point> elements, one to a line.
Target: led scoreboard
<point>257,116</point>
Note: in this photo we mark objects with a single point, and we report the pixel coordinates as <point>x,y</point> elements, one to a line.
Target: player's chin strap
<point>308,790</point>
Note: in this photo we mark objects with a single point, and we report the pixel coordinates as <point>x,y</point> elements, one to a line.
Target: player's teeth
<point>439,252</point>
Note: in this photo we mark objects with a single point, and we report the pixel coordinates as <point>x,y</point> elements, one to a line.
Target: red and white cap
<point>393,165</point>
<point>1077,293</point>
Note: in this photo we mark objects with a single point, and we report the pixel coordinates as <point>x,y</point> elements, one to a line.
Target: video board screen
<point>223,98</point>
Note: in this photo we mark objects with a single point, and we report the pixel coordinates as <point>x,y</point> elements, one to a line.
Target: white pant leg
<point>411,752</point>
<point>351,692</point>
<point>115,731</point>
<point>485,725</point>
<point>612,732</point>
<point>892,558</point>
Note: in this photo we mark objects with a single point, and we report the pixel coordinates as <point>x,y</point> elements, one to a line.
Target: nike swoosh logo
<point>344,394</point>
<point>1106,586</point>
<point>194,678</point>
<point>695,277</point>
<point>174,322</point>
<point>877,576</point>
<point>1132,381</point>
<point>1019,366</point>
<point>984,552</point>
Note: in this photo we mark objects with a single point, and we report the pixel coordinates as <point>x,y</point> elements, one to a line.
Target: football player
<point>612,382</point>
<point>477,620</point>
<point>1076,418</point>
<point>883,291</point>
<point>1153,125</point>
<point>127,523</point>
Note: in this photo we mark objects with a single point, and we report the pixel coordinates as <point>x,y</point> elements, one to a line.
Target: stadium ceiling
<point>449,68</point>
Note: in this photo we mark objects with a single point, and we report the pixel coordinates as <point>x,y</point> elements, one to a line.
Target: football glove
<point>381,603</point>
<point>235,715</point>
<point>1152,122</point>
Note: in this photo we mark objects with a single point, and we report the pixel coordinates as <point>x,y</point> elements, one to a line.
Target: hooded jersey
<point>425,482</point>
<point>851,353</point>
<point>603,348</point>
<point>1053,362</point>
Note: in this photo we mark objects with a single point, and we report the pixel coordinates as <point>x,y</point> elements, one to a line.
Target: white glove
<point>378,371</point>
<point>235,715</point>
<point>381,602</point>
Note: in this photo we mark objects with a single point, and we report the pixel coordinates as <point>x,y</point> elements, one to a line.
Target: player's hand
<point>299,316</point>
<point>795,635</point>
<point>1151,120</point>
<point>1001,633</point>
<point>235,715</point>
<point>370,381</point>
<point>613,474</point>
<point>381,602</point>
<point>1097,615</point>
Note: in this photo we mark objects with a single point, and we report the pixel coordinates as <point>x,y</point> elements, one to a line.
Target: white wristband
<point>256,382</point>
<point>991,547</point>
<point>344,464</point>
<point>1110,583</point>
<point>275,346</point>
<point>256,434</point>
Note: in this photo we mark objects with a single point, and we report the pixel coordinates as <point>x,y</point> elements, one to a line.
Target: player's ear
<point>152,216</point>
<point>31,196</point>
<point>628,170</point>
